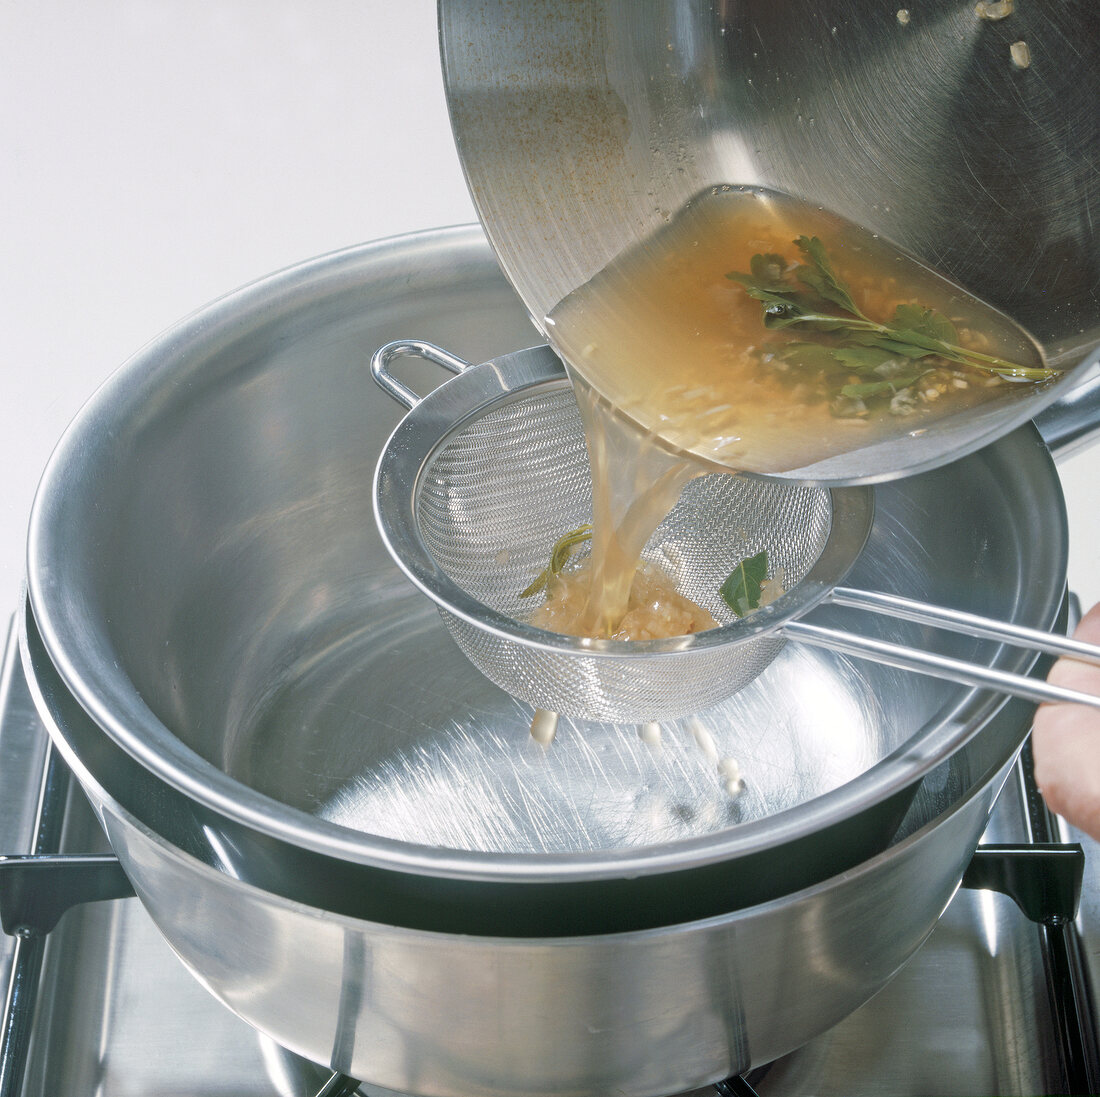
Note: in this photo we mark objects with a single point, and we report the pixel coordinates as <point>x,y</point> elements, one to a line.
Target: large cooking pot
<point>644,1013</point>
<point>348,834</point>
<point>585,126</point>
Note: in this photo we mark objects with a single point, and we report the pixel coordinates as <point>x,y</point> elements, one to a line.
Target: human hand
<point>1065,740</point>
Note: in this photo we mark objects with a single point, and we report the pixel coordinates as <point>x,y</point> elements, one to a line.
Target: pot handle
<point>409,348</point>
<point>1073,422</point>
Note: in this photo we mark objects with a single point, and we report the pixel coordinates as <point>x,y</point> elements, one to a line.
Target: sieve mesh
<point>498,492</point>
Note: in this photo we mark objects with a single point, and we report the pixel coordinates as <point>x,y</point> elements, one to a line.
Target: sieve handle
<point>409,348</point>
<point>946,666</point>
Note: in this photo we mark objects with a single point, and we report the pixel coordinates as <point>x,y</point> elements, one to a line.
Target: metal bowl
<point>326,808</point>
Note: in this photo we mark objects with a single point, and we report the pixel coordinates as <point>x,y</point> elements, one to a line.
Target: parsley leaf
<point>742,587</point>
<point>812,297</point>
<point>819,275</point>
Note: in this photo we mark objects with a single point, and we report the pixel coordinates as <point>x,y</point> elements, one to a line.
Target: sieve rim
<point>447,409</point>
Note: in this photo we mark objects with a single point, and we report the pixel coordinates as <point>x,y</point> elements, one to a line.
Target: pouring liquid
<point>676,373</point>
<point>635,483</point>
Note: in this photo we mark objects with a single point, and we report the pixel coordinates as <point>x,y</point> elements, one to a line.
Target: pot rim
<point>114,704</point>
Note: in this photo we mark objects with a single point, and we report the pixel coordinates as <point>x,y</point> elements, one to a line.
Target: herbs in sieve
<point>742,590</point>
<point>563,548</point>
<point>744,586</point>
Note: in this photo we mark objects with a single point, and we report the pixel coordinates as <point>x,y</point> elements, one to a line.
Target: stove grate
<point>1043,878</point>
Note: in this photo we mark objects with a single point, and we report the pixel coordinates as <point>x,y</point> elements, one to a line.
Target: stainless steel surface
<point>230,526</point>
<point>384,358</point>
<point>22,749</point>
<point>119,1015</point>
<point>1071,425</point>
<point>931,662</point>
<point>22,766</point>
<point>584,127</point>
<point>273,777</point>
<point>635,1013</point>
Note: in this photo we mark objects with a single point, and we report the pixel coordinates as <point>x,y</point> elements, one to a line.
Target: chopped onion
<point>544,726</point>
<point>992,10</point>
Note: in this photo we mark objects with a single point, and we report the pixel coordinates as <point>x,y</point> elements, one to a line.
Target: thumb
<point>1066,740</point>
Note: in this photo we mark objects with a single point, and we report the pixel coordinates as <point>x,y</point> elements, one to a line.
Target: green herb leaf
<point>563,548</point>
<point>819,274</point>
<point>850,342</point>
<point>925,322</point>
<point>741,589</point>
<point>880,388</point>
<point>785,313</point>
<point>853,358</point>
<point>771,296</point>
<point>807,355</point>
<point>860,359</point>
<point>893,344</point>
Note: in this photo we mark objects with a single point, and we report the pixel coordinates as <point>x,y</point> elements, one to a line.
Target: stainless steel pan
<point>347,832</point>
<point>585,125</point>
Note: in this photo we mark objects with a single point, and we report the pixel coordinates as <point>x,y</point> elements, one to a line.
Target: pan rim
<point>117,708</point>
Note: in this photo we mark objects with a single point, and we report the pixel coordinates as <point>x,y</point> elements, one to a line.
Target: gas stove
<point>993,1003</point>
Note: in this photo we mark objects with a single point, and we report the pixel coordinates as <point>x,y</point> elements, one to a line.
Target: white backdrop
<point>155,154</point>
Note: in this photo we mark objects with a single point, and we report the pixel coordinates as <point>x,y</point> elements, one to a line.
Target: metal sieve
<point>488,470</point>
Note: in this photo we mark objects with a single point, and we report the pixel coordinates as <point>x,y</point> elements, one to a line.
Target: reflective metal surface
<point>584,127</point>
<point>22,750</point>
<point>346,832</point>
<point>206,572</point>
<point>641,1013</point>
<point>119,1015</point>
